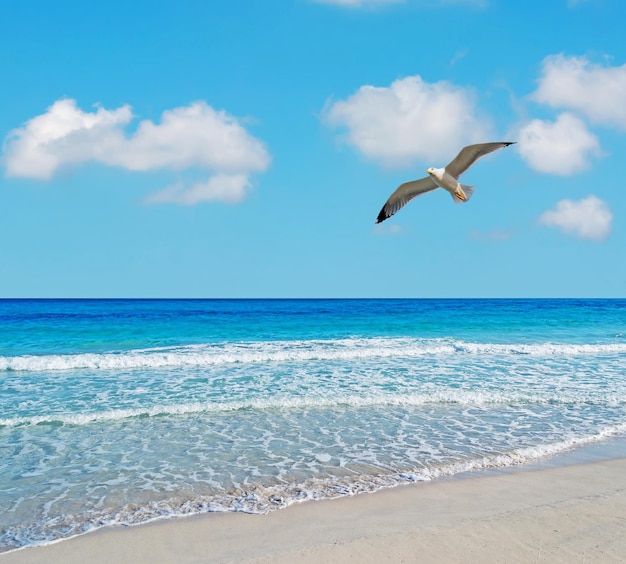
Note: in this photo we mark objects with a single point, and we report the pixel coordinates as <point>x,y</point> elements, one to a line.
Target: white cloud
<point>589,218</point>
<point>229,188</point>
<point>597,91</point>
<point>194,136</point>
<point>63,136</point>
<point>562,147</point>
<point>409,120</point>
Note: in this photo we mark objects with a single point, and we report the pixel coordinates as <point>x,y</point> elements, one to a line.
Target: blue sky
<point>244,149</point>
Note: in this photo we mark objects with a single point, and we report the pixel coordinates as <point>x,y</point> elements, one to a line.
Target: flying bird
<point>446,178</point>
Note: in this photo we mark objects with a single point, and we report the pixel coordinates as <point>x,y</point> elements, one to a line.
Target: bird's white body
<point>442,178</point>
<point>446,181</point>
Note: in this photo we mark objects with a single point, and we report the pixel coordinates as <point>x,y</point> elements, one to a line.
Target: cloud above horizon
<point>358,3</point>
<point>408,120</point>
<point>377,3</point>
<point>575,83</point>
<point>228,188</point>
<point>589,218</point>
<point>493,235</point>
<point>562,147</point>
<point>193,136</point>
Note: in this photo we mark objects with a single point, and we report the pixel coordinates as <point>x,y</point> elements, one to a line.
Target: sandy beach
<point>567,514</point>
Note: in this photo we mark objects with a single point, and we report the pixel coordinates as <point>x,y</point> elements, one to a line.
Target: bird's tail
<point>467,190</point>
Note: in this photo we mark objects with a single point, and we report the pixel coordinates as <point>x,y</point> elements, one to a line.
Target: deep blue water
<point>121,411</point>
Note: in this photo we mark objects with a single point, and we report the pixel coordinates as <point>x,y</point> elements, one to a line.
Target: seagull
<point>446,178</point>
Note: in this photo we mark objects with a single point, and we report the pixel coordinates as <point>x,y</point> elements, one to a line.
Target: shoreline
<point>546,513</point>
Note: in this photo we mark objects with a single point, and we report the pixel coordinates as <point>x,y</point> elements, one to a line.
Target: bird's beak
<point>427,171</point>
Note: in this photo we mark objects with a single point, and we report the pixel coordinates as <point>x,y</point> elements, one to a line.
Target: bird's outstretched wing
<point>405,193</point>
<point>470,154</point>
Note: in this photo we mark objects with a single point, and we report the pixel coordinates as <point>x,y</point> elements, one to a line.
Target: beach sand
<point>566,514</point>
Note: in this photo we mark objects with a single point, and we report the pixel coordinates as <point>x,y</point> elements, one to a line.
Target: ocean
<point>125,411</point>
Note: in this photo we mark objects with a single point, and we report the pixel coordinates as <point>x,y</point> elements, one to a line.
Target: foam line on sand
<point>567,514</point>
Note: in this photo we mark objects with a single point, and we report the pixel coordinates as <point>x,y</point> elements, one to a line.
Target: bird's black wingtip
<point>507,143</point>
<point>381,217</point>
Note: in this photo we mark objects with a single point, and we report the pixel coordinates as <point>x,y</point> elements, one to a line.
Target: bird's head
<point>430,170</point>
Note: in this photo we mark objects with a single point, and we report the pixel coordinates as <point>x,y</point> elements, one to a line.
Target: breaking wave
<point>291,351</point>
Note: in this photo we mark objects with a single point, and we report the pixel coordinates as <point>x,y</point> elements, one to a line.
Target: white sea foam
<point>262,500</point>
<point>335,400</point>
<point>292,351</point>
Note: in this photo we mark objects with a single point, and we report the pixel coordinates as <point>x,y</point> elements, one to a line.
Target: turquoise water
<point>123,411</point>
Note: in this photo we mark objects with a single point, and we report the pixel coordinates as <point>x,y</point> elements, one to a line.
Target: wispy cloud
<point>493,235</point>
<point>381,3</point>
<point>471,3</point>
<point>194,136</point>
<point>561,147</point>
<point>228,188</point>
<point>359,3</point>
<point>574,83</point>
<point>589,218</point>
<point>410,119</point>
<point>388,229</point>
<point>458,56</point>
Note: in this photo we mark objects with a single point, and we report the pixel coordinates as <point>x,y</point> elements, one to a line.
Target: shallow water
<point>121,411</point>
